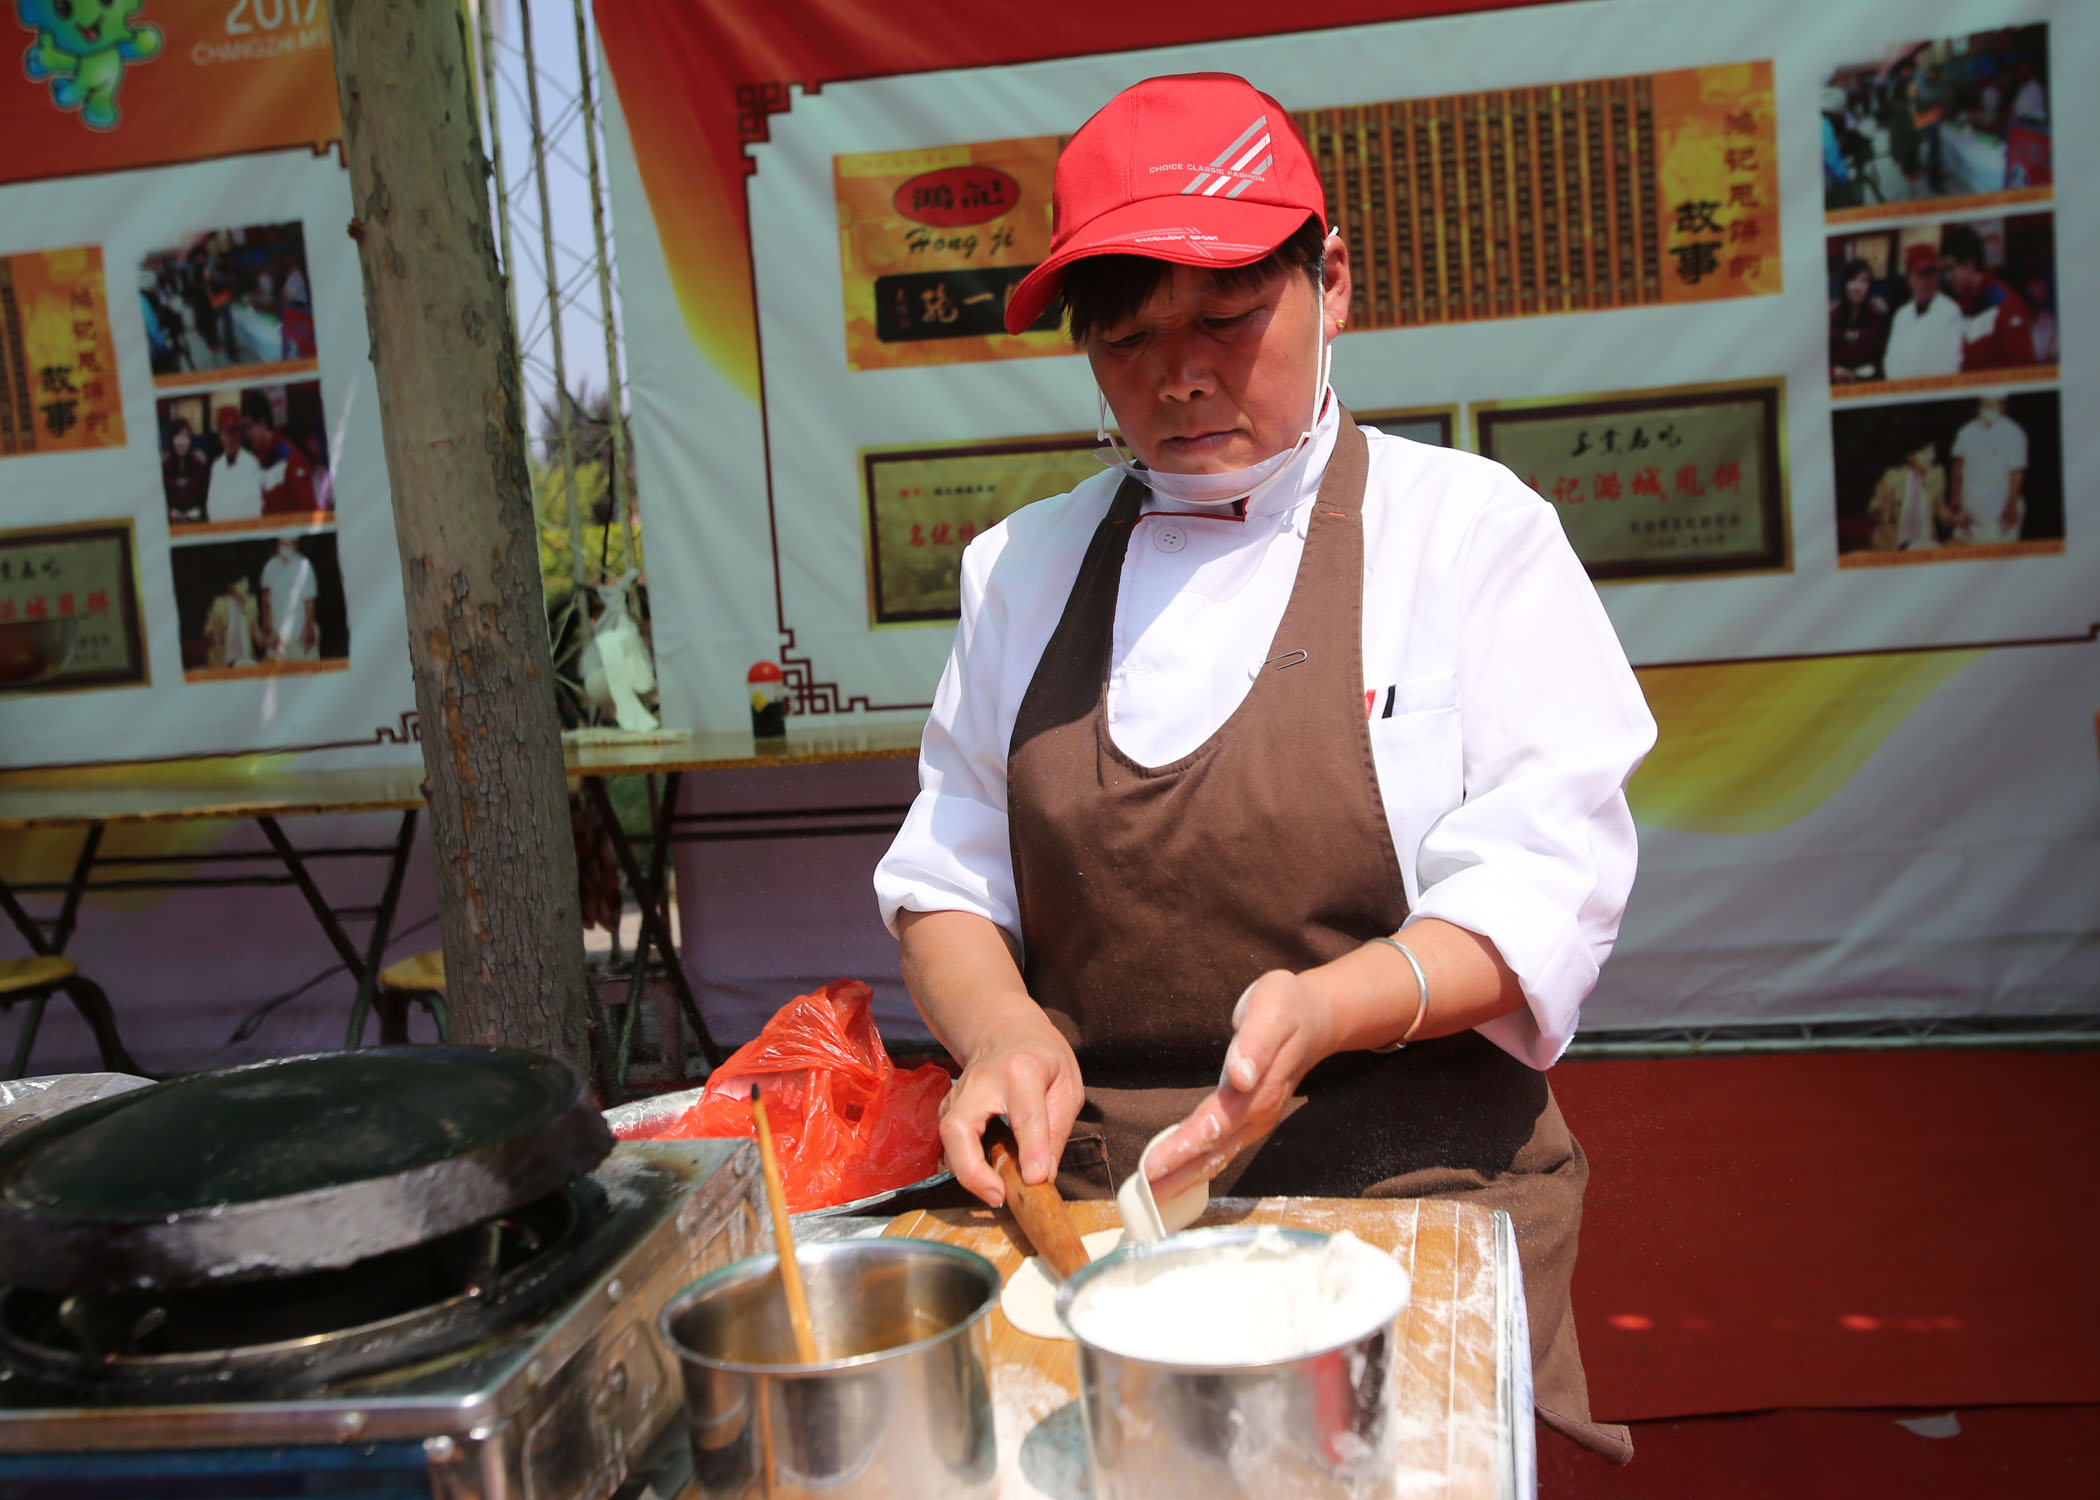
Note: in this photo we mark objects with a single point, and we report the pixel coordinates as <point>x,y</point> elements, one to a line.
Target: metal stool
<point>33,980</point>
<point>421,979</point>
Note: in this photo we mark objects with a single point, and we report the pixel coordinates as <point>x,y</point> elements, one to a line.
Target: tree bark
<point>445,353</point>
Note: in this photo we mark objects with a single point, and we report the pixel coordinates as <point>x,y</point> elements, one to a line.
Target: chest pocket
<point>1415,745</point>
<point>1417,695</point>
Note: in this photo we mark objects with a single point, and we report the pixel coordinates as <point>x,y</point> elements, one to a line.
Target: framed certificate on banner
<point>925,504</point>
<point>1437,425</point>
<point>1674,483</point>
<point>69,609</point>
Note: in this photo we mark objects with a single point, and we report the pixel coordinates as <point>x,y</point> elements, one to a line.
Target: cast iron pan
<point>296,1164</point>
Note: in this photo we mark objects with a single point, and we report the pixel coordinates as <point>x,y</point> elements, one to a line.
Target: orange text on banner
<point>58,364</point>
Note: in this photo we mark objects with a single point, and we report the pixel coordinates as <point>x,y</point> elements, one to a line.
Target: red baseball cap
<point>1202,169</point>
<point>1921,258</point>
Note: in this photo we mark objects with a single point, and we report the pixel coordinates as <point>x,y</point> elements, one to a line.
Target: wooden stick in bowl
<point>784,1237</point>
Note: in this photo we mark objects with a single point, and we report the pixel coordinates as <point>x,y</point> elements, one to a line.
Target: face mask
<point>1233,484</point>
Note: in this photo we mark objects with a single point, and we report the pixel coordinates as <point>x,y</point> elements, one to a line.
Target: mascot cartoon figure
<point>82,46</point>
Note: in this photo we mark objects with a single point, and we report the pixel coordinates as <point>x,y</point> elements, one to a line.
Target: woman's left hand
<point>1282,1026</point>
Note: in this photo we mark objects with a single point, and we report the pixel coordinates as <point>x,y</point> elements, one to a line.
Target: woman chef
<point>1276,782</point>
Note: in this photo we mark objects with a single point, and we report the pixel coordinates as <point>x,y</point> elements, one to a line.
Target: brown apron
<point>1151,896</point>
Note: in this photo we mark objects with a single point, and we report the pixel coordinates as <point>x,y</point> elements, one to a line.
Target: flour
<point>1042,1439</point>
<point>1271,1298</point>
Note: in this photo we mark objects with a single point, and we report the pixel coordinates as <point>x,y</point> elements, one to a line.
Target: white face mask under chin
<point>1214,489</point>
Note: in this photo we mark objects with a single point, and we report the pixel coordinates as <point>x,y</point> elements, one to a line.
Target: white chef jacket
<point>234,492</point>
<point>1504,719</point>
<point>289,582</point>
<point>1927,343</point>
<point>1990,453</point>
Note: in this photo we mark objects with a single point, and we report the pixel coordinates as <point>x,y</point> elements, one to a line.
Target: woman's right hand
<point>1033,1080</point>
<point>963,975</point>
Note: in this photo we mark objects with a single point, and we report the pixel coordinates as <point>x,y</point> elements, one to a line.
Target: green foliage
<point>604,545</point>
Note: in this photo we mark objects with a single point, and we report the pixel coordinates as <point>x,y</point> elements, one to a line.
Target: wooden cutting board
<point>1454,1437</point>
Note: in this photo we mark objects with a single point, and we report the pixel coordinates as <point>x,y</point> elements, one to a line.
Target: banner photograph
<point>230,299</point>
<point>1950,480</point>
<point>1938,306</point>
<point>1946,122</point>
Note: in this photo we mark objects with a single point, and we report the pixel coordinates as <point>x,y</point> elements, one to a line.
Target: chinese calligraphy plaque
<point>1658,484</point>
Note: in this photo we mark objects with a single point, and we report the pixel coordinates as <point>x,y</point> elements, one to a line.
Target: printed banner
<point>69,597</point>
<point>1831,647</point>
<point>925,505</point>
<point>140,83</point>
<point>58,367</point>
<point>188,374</point>
<point>1656,484</point>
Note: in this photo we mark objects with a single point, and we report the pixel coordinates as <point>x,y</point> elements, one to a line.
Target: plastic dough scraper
<point>1144,1218</point>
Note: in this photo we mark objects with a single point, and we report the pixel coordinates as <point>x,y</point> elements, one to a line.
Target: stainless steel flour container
<point>900,1404</point>
<point>1316,1426</point>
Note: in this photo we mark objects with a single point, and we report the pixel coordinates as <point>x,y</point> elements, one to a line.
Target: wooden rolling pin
<point>1037,1208</point>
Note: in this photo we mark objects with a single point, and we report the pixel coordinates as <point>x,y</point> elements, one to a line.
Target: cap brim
<point>1186,229</point>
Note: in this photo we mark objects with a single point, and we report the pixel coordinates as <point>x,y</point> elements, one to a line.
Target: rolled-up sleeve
<point>1538,857</point>
<point>952,853</point>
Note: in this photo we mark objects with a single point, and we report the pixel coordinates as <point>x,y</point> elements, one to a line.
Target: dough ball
<point>1030,1298</point>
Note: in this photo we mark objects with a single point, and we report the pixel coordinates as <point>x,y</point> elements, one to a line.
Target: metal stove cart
<point>374,1275</point>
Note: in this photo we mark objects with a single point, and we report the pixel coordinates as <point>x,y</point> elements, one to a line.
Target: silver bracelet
<point>1421,993</point>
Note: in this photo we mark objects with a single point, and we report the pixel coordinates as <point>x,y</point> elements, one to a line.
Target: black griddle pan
<point>292,1165</point>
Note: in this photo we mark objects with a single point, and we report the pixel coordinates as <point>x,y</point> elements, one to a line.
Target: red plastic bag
<point>846,1121</point>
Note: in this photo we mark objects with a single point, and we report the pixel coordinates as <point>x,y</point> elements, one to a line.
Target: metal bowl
<point>640,1119</point>
<point>1317,1425</point>
<point>899,1402</point>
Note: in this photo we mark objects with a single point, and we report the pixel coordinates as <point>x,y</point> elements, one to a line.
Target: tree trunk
<point>445,353</point>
